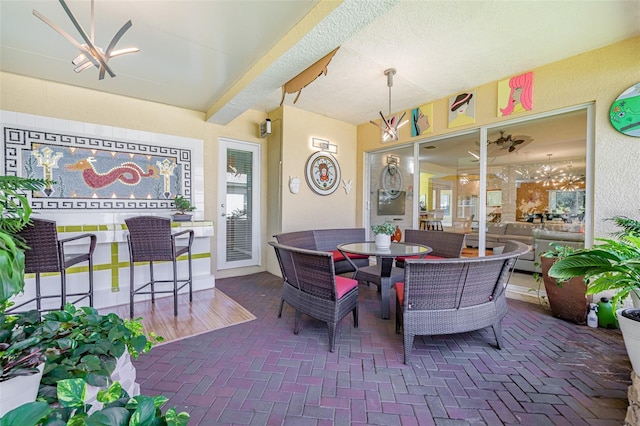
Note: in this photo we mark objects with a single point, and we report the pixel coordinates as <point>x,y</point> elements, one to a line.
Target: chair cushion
<point>400,293</point>
<point>344,285</point>
<point>337,255</point>
<point>429,256</point>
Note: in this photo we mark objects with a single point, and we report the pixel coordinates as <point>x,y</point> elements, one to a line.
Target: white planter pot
<point>383,241</point>
<point>19,390</point>
<point>631,335</point>
<point>125,373</point>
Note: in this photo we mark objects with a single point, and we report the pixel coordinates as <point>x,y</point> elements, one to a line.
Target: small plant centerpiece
<point>383,233</point>
<point>183,207</point>
<point>611,266</point>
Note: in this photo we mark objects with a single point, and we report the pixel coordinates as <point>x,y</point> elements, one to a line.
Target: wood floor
<point>210,310</point>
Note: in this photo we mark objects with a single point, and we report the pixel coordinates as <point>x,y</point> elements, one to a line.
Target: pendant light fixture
<point>391,124</point>
<point>90,53</point>
<point>548,175</point>
<point>571,181</point>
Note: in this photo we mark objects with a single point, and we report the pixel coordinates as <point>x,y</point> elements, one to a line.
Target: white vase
<point>631,335</point>
<point>383,241</point>
<point>124,373</point>
<point>19,390</point>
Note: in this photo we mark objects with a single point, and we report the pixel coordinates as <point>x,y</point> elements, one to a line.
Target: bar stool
<point>150,240</point>
<point>46,253</point>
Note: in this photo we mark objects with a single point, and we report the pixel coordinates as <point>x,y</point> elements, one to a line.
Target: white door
<point>238,224</point>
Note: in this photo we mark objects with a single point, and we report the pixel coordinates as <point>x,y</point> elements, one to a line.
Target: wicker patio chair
<point>443,244</point>
<point>46,253</point>
<point>311,287</point>
<point>150,240</point>
<point>451,296</point>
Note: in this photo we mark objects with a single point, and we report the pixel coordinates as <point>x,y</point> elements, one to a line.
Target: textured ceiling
<point>224,57</point>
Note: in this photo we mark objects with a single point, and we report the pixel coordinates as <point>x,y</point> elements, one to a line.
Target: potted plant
<point>21,353</point>
<point>183,206</point>
<point>611,266</point>
<point>81,343</point>
<point>116,408</point>
<point>15,213</point>
<point>63,344</point>
<point>383,233</point>
<point>568,299</point>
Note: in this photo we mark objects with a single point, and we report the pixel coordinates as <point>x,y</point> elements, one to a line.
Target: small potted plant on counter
<point>613,266</point>
<point>383,233</point>
<point>183,206</point>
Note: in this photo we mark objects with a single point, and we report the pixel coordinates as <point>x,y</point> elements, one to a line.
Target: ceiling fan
<point>509,142</point>
<point>90,53</point>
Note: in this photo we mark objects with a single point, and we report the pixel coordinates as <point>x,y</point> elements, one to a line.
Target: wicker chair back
<point>150,238</point>
<point>309,286</point>
<point>42,239</point>
<point>447,296</point>
<point>444,244</point>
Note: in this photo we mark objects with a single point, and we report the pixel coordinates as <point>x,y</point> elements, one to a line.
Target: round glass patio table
<point>384,264</point>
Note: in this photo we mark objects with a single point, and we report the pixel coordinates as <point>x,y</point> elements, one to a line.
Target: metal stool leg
<point>131,288</point>
<point>175,287</point>
<point>153,296</point>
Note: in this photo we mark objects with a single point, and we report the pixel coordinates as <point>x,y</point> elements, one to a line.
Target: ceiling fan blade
<point>116,38</point>
<point>70,39</point>
<point>384,120</point>
<point>373,122</point>
<point>95,52</point>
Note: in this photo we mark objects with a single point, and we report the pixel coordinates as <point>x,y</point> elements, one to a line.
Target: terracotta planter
<point>19,390</point>
<point>568,301</point>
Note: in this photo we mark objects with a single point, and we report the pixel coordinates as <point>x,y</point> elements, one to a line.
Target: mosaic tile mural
<point>96,173</point>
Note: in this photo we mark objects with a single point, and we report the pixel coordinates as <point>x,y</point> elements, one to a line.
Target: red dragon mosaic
<point>128,173</point>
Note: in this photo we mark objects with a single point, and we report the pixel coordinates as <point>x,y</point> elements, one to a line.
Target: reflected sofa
<point>537,235</point>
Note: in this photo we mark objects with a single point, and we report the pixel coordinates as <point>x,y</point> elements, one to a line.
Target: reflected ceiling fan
<point>509,142</point>
<point>90,53</point>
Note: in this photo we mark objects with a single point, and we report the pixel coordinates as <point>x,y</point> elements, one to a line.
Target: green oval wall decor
<point>625,112</point>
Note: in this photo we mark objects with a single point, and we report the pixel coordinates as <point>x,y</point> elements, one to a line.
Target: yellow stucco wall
<point>308,210</point>
<point>598,76</point>
<point>49,99</point>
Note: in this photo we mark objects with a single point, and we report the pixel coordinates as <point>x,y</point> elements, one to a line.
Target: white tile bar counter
<point>111,264</point>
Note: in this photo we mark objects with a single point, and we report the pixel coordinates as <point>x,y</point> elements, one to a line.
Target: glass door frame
<point>482,197</point>
<point>256,244</point>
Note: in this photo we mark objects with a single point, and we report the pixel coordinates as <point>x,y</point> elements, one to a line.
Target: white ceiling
<point>194,54</point>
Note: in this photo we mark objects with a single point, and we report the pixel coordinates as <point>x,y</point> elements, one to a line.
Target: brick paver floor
<point>550,372</point>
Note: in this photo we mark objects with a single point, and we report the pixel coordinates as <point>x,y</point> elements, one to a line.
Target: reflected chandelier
<point>549,175</point>
<point>90,53</point>
<point>571,182</point>
<point>392,123</point>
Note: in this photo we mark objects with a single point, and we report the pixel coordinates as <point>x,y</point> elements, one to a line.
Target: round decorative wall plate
<point>625,112</point>
<point>392,180</point>
<point>323,173</point>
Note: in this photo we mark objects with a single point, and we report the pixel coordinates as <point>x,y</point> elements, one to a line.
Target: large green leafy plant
<point>15,213</point>
<point>612,265</point>
<point>118,409</point>
<point>81,343</point>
